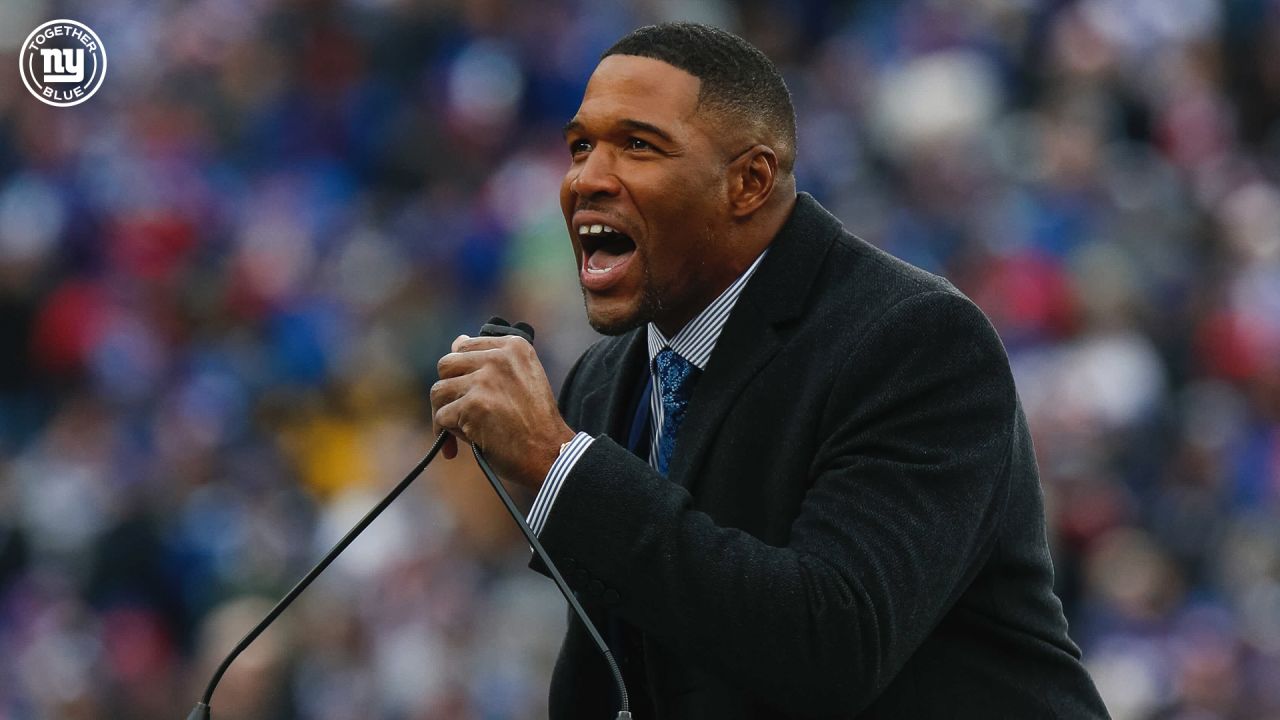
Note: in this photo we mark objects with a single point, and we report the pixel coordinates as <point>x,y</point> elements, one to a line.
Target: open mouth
<point>604,249</point>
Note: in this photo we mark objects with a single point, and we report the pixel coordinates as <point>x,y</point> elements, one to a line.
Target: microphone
<point>495,327</point>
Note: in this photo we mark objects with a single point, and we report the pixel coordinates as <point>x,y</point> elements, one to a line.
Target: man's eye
<point>638,144</point>
<point>579,146</point>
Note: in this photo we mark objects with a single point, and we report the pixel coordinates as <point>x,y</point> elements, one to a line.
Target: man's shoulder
<point>815,257</point>
<point>862,283</point>
<point>856,262</point>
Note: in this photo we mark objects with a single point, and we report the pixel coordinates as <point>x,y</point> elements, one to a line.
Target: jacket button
<point>611,596</point>
<point>595,588</point>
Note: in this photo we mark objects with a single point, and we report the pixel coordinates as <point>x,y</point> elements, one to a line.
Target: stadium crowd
<point>225,281</point>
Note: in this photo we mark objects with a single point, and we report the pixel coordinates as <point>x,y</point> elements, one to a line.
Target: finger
<point>488,342</point>
<point>449,417</point>
<point>446,391</point>
<point>458,340</point>
<point>456,364</point>
<point>449,447</point>
<point>445,413</point>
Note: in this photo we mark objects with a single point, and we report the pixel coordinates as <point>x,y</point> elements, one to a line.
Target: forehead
<point>639,88</point>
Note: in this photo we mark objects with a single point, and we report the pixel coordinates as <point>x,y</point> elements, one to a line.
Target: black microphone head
<point>497,327</point>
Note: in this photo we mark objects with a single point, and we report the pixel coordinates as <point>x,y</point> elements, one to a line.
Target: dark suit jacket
<point>852,526</point>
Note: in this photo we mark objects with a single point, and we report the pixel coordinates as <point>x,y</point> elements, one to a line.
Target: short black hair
<point>737,79</point>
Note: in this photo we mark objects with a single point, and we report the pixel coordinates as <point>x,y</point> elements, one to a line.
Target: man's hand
<point>493,393</point>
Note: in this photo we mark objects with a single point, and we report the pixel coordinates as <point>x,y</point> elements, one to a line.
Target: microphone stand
<point>495,327</point>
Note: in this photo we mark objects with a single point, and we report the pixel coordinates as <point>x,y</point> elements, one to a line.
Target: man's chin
<point>613,326</point>
<point>613,320</point>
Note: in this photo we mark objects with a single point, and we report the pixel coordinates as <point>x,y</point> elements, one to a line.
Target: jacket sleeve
<point>904,496</point>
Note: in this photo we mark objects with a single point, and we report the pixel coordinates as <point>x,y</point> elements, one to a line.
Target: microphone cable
<point>495,327</point>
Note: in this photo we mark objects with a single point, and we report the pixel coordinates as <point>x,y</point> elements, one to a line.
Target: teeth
<point>594,229</point>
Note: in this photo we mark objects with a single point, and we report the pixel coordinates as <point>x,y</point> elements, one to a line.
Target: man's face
<point>648,168</point>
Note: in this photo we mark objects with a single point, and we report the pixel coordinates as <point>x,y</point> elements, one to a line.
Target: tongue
<point>607,257</point>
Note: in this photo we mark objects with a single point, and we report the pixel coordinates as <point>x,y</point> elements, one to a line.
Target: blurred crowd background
<point>225,281</point>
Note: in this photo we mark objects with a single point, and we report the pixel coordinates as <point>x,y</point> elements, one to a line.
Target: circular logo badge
<point>63,63</point>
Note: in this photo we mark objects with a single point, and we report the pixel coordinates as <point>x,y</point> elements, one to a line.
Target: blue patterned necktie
<point>676,377</point>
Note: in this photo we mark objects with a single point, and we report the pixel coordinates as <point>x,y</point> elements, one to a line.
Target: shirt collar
<point>695,341</point>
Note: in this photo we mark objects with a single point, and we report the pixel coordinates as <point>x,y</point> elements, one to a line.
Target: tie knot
<point>674,373</point>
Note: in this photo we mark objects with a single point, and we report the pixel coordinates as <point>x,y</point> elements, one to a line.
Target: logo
<point>63,63</point>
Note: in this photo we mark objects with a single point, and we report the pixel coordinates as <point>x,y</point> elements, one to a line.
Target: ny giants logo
<point>63,63</point>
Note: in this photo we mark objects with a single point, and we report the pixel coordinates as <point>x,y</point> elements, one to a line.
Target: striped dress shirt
<point>694,342</point>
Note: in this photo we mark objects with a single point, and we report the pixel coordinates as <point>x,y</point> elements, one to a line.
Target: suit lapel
<point>617,394</point>
<point>751,336</point>
<point>740,353</point>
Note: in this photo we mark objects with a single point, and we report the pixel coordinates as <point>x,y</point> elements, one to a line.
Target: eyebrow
<point>627,123</point>
<point>647,127</point>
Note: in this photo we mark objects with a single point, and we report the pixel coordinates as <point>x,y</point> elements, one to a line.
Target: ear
<point>751,180</point>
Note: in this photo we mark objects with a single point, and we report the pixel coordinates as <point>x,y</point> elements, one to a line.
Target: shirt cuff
<point>555,478</point>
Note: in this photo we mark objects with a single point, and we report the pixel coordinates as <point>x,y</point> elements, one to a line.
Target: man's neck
<point>754,241</point>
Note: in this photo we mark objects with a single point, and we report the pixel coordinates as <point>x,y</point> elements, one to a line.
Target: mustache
<point>584,205</point>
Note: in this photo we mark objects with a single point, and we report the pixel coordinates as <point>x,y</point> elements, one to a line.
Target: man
<point>796,481</point>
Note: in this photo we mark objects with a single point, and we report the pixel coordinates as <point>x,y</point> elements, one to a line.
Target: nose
<point>596,175</point>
